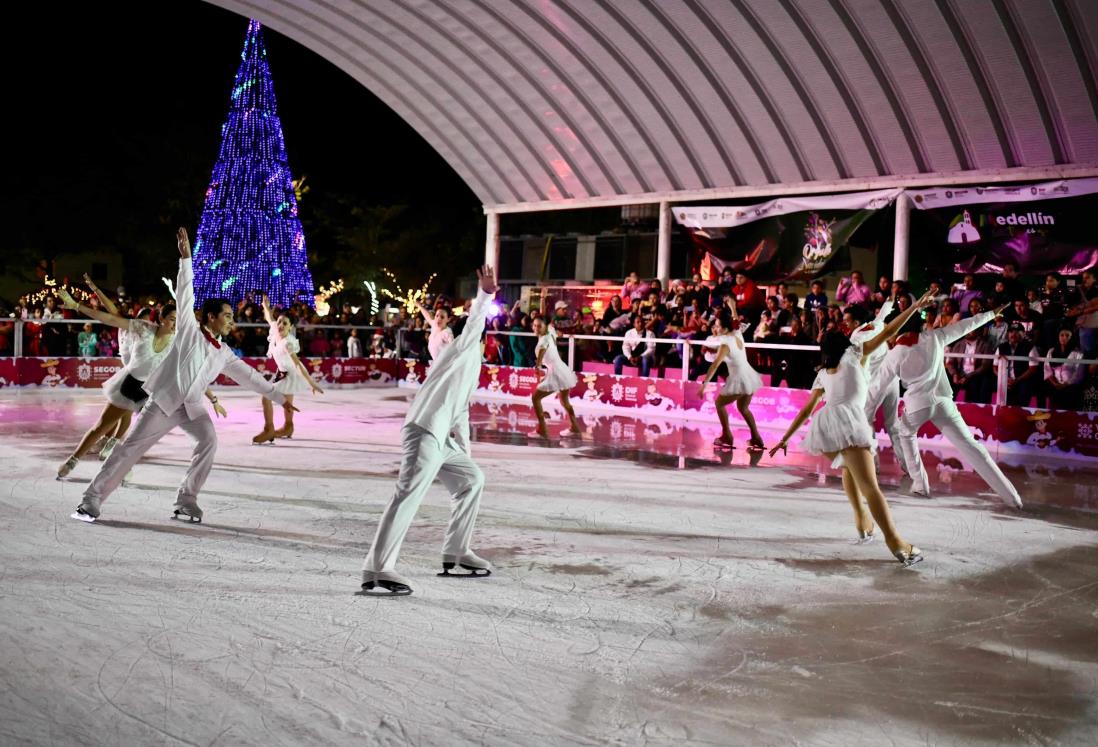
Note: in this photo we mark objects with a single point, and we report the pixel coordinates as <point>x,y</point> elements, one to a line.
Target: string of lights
<point>375,302</point>
<point>250,239</point>
<point>50,288</point>
<point>321,298</point>
<point>409,298</point>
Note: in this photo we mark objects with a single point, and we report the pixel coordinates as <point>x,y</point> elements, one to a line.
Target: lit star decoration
<point>250,238</point>
<point>321,298</point>
<point>407,298</point>
<point>50,288</point>
<point>375,303</point>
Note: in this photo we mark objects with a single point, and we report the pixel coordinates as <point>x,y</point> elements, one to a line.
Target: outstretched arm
<point>896,324</point>
<point>798,421</point>
<point>426,314</point>
<point>71,303</point>
<point>108,304</point>
<point>722,353</point>
<point>957,330</point>
<point>184,285</point>
<point>305,372</point>
<point>246,376</point>
<point>474,325</point>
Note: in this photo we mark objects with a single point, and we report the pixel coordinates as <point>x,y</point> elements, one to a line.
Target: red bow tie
<point>211,339</point>
<point>908,338</point>
<point>866,328</point>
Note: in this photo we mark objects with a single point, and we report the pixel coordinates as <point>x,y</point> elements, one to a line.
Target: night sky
<point>117,107</point>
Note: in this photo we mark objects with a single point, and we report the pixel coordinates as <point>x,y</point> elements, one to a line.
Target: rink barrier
<point>1002,428</point>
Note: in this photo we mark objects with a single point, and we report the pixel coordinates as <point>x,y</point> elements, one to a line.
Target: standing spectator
<point>53,335</point>
<point>817,299</point>
<point>701,293</point>
<point>937,295</point>
<point>106,344</point>
<point>749,299</point>
<point>974,376</point>
<point>1085,313</point>
<point>724,287</point>
<point>853,290</point>
<point>632,287</point>
<point>318,345</point>
<point>997,330</point>
<point>629,348</point>
<point>563,320</point>
<point>1053,305</point>
<point>967,291</point>
<point>354,345</point>
<point>1022,375</point>
<point>87,341</point>
<point>792,366</point>
<point>612,312</point>
<point>1026,318</point>
<point>1063,381</point>
<point>1012,284</point>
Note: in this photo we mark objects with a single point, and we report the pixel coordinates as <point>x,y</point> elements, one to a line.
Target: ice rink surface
<point>643,594</point>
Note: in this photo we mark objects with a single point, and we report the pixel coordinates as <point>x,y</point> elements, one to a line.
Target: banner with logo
<point>1041,228</point>
<point>788,238</point>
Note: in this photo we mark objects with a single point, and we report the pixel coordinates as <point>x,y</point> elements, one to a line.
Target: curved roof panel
<point>540,103</point>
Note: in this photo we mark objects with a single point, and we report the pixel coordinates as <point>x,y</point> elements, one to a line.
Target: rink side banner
<point>1001,429</point>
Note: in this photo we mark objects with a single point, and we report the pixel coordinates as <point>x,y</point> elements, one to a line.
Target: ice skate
<point>911,557</point>
<point>87,511</point>
<point>64,470</point>
<point>756,444</point>
<point>724,443</point>
<point>864,538</point>
<point>571,433</point>
<point>189,512</point>
<point>286,431</point>
<point>108,447</point>
<point>385,584</point>
<point>469,561</point>
<point>539,434</point>
<point>266,436</point>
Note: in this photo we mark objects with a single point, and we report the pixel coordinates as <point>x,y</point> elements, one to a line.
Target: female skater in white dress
<point>148,344</point>
<point>441,334</point>
<point>292,378</point>
<point>742,382</point>
<point>840,430</point>
<point>555,378</point>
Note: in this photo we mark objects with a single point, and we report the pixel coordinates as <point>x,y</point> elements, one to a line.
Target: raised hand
<point>66,300</point>
<point>925,300</point>
<point>183,242</point>
<point>88,281</point>
<point>487,277</point>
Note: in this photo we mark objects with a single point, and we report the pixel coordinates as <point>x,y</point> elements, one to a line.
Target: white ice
<point>632,603</point>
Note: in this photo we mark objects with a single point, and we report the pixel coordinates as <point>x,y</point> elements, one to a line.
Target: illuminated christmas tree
<point>250,238</point>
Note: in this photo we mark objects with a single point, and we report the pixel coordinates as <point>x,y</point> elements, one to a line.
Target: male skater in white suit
<point>435,440</point>
<point>918,359</point>
<point>881,393</point>
<point>176,392</point>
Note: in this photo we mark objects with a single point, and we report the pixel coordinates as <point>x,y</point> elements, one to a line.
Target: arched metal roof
<point>549,103</point>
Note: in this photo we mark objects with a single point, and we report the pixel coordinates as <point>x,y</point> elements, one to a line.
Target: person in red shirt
<point>749,300</point>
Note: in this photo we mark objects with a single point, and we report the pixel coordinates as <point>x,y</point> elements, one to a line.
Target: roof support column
<point>491,241</point>
<point>901,249</point>
<point>663,246</point>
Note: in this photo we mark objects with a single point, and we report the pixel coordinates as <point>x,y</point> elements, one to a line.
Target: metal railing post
<point>572,353</point>
<point>17,350</point>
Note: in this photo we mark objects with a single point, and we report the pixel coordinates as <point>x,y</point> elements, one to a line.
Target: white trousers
<point>152,426</point>
<point>888,397</point>
<point>424,458</point>
<point>947,418</point>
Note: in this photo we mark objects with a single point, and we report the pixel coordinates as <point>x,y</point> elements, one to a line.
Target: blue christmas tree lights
<point>249,237</point>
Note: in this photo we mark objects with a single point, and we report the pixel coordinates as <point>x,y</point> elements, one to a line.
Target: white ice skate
<point>88,511</point>
<point>108,447</point>
<point>67,467</point>
<point>385,584</point>
<point>864,538</point>
<point>189,512</point>
<point>477,567</point>
<point>909,558</point>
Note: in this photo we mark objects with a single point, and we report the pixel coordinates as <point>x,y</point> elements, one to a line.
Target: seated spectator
<point>1022,375</point>
<point>967,291</point>
<point>699,294</point>
<point>883,291</point>
<point>494,343</point>
<point>379,346</point>
<point>632,287</point>
<point>948,313</point>
<point>749,299</point>
<point>973,376</point>
<point>853,290</point>
<point>1053,300</point>
<point>1025,317</point>
<point>1063,381</point>
<point>779,317</point>
<point>792,366</point>
<point>724,285</point>
<point>975,308</point>
<point>107,347</point>
<point>817,299</point>
<point>631,352</point>
<point>655,286</point>
<point>997,331</point>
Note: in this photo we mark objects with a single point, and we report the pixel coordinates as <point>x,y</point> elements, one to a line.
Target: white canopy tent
<point>559,104</point>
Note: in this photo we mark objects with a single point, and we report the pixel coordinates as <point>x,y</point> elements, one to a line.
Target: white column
<point>663,246</point>
<point>491,241</point>
<point>900,245</point>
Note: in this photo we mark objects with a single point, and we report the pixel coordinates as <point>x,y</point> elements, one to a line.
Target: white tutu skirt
<point>741,380</point>
<point>836,428</point>
<point>558,379</point>
<point>112,390</point>
<point>293,383</point>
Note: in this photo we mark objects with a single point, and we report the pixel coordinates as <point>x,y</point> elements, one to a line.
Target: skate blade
<point>385,589</point>
<point>86,518</point>
<point>472,573</point>
<point>178,516</point>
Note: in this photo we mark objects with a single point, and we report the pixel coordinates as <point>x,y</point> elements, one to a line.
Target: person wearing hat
<point>917,361</point>
<point>1022,375</point>
<point>563,320</point>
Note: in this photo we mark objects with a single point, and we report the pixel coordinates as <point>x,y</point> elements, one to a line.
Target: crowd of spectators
<point>1041,323</point>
